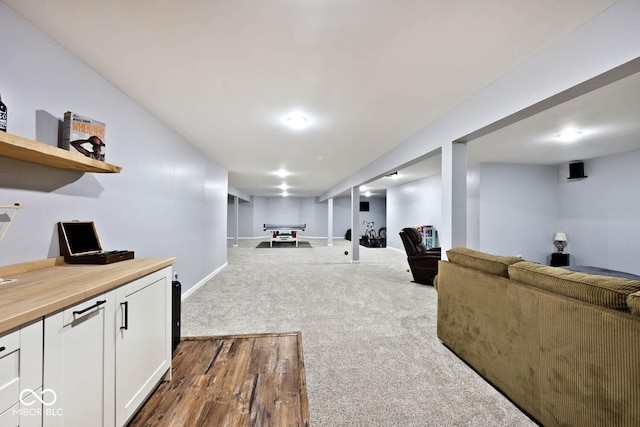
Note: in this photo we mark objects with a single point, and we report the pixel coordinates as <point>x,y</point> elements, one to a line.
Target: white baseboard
<point>192,289</point>
<point>301,237</point>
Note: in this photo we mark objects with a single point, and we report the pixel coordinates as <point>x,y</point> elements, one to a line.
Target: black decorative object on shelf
<point>3,116</point>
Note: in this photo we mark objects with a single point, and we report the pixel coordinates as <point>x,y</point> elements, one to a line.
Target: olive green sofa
<point>563,346</point>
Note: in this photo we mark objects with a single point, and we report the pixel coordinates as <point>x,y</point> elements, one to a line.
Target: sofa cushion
<point>606,291</point>
<point>633,302</point>
<point>493,264</point>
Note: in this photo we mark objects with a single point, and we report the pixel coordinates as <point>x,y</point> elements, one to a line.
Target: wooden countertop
<point>46,286</point>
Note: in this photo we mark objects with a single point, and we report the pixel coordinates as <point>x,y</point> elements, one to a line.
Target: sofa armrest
<point>633,302</point>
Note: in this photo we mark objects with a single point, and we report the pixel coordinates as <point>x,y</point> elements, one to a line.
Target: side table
<point>559,259</point>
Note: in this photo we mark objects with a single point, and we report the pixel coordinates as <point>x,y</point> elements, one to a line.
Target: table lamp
<point>560,240</point>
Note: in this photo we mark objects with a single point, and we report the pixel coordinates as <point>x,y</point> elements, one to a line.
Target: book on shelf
<point>83,135</point>
<point>429,236</point>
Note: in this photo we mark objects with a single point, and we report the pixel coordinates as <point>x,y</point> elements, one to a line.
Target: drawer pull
<point>96,305</point>
<point>126,315</point>
<point>3,348</point>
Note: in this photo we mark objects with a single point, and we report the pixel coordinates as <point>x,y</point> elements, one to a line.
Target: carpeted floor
<point>372,357</point>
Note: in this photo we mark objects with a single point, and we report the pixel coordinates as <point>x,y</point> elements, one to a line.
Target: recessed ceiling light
<point>297,121</point>
<point>285,194</point>
<point>282,173</point>
<point>569,135</point>
<point>362,188</point>
<point>368,194</point>
<point>284,186</point>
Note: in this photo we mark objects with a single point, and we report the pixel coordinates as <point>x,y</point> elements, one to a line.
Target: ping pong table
<point>284,232</point>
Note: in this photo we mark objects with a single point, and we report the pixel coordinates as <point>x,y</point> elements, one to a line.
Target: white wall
<point>601,213</point>
<point>245,220</point>
<point>169,199</point>
<point>413,204</point>
<point>287,210</point>
<point>341,216</point>
<point>518,210</point>
<point>522,207</point>
<point>302,210</point>
<point>279,210</point>
<point>507,206</point>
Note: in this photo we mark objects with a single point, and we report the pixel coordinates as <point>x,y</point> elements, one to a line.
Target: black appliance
<point>175,313</point>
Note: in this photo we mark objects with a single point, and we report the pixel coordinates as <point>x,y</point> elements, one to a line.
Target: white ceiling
<point>607,117</point>
<point>368,74</point>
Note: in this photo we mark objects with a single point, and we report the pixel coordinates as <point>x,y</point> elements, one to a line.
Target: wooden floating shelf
<point>19,148</point>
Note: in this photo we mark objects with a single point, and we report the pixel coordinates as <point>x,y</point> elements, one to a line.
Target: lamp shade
<point>560,241</point>
<point>560,237</point>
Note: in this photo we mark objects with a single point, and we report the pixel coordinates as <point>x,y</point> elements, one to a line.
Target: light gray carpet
<point>371,353</point>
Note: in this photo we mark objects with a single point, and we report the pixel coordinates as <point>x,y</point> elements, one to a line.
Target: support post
<point>236,212</point>
<point>330,222</point>
<point>454,196</point>
<point>355,224</point>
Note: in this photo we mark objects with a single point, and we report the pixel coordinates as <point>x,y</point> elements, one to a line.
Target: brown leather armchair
<point>423,261</point>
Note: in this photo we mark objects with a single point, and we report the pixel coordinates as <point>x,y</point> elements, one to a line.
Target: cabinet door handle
<point>126,315</point>
<point>96,305</point>
<point>3,348</point>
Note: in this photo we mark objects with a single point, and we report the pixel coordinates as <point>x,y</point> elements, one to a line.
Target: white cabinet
<point>78,367</point>
<point>21,377</point>
<point>9,370</point>
<point>143,342</point>
<point>103,357</point>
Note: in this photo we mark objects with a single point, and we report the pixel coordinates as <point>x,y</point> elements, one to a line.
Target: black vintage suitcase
<point>80,244</point>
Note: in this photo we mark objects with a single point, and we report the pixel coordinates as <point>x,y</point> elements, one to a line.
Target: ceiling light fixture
<point>297,121</point>
<point>368,194</point>
<point>285,194</point>
<point>282,173</point>
<point>569,135</point>
<point>284,186</point>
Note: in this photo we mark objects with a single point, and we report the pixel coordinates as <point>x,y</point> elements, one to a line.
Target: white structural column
<point>453,231</point>
<point>355,224</point>
<point>330,222</point>
<point>236,213</point>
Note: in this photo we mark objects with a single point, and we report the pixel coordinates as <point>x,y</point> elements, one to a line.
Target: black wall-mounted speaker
<point>576,170</point>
